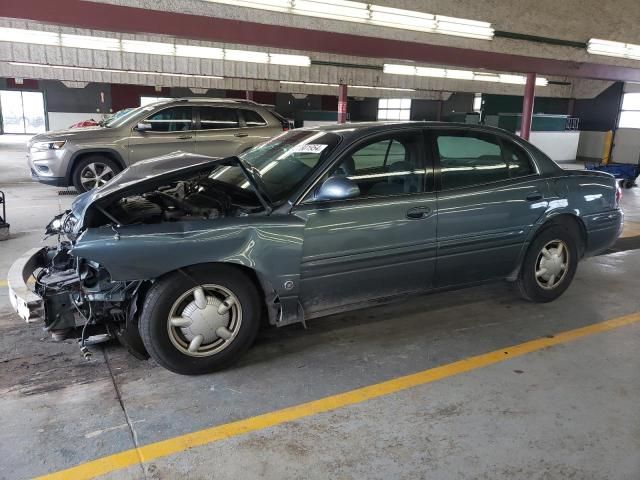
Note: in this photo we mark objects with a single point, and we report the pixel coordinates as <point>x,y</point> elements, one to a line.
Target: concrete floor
<point>569,411</point>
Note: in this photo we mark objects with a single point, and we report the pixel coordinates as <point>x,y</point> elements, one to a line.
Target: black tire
<point>99,161</point>
<point>529,285</point>
<point>154,326</point>
<point>628,184</point>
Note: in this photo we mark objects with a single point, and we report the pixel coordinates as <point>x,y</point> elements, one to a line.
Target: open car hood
<point>148,174</point>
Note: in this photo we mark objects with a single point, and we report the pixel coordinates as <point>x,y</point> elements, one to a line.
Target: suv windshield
<point>282,163</point>
<point>117,121</point>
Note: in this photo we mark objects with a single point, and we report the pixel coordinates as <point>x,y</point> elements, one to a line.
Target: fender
<point>116,155</point>
<point>271,247</point>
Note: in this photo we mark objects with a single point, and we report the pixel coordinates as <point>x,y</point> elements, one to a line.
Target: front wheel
<point>94,171</point>
<point>549,265</point>
<point>200,322</point>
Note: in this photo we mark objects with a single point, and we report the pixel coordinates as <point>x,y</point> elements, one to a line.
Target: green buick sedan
<point>182,257</point>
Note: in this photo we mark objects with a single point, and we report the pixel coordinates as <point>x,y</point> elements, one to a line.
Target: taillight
<point>618,194</point>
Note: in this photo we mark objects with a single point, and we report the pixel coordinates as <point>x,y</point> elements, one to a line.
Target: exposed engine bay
<point>80,298</point>
<point>198,198</point>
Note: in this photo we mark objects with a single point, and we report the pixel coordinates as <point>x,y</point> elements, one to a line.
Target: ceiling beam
<point>102,16</point>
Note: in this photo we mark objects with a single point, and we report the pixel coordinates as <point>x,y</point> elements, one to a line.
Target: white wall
<point>559,146</point>
<point>626,148</point>
<point>63,120</point>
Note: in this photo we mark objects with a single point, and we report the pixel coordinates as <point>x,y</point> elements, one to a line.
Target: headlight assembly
<point>42,146</point>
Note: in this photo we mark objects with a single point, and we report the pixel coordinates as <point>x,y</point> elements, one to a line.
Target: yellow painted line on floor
<point>631,229</point>
<point>181,443</point>
<point>3,283</point>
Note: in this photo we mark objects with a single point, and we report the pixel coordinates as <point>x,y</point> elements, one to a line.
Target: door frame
<point>44,108</point>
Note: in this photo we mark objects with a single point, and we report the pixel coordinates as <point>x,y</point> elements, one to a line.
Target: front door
<point>380,244</point>
<point>172,129</point>
<point>490,197</point>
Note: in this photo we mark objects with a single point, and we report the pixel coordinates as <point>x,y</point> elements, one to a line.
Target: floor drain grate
<point>67,192</point>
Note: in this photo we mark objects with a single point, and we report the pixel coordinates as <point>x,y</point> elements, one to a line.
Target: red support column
<point>342,103</point>
<point>527,105</point>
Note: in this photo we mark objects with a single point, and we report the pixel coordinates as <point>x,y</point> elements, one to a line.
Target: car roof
<point>373,127</point>
<point>206,100</point>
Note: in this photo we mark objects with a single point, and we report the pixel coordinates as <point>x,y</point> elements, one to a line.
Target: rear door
<point>219,133</point>
<point>380,244</point>
<point>490,195</point>
<point>172,129</point>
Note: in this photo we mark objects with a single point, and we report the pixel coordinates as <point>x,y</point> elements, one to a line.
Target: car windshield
<point>282,163</point>
<point>119,120</point>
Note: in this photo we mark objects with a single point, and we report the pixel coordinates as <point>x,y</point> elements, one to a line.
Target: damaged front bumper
<point>24,300</point>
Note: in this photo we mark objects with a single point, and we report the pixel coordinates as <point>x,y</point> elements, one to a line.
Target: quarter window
<point>216,118</point>
<point>176,119</point>
<point>389,166</point>
<point>253,119</point>
<point>474,158</point>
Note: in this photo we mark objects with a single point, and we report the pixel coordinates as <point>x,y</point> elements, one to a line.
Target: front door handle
<point>418,212</point>
<point>185,137</point>
<point>240,134</point>
<point>534,196</point>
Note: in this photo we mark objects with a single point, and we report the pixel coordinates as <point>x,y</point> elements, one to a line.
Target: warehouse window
<point>394,109</point>
<point>630,113</point>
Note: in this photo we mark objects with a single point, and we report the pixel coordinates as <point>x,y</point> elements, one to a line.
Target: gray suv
<point>87,158</point>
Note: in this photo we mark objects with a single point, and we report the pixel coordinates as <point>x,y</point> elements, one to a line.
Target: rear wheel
<point>549,265</point>
<point>93,172</point>
<point>201,322</point>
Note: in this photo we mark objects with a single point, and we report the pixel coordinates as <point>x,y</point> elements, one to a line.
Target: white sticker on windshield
<point>308,148</point>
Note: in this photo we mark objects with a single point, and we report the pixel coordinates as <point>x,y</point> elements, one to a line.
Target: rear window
<point>253,119</point>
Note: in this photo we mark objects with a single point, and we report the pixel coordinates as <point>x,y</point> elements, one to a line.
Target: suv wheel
<point>93,172</point>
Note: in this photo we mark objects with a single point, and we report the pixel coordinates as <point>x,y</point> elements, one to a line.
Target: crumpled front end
<point>73,297</point>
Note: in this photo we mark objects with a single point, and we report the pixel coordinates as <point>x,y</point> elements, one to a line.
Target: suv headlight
<point>41,146</point>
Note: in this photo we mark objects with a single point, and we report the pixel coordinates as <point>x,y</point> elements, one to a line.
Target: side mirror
<point>337,188</point>
<point>143,127</point>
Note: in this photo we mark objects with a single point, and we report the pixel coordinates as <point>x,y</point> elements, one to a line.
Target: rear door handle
<point>185,137</point>
<point>240,134</point>
<point>534,196</point>
<point>418,212</point>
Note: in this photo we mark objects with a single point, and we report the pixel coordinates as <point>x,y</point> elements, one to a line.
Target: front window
<point>174,119</point>
<point>120,120</point>
<point>283,163</point>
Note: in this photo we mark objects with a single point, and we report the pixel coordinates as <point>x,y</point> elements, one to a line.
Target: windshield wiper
<point>260,193</point>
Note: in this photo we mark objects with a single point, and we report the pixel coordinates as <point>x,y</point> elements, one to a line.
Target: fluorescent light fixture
<point>403,19</point>
<point>464,28</point>
<point>431,72</point>
<point>153,48</point>
<point>113,70</point>
<point>196,51</point>
<point>337,9</point>
<point>486,77</point>
<point>21,35</point>
<point>246,56</point>
<point>286,59</point>
<point>372,14</point>
<point>394,89</point>
<point>439,72</point>
<point>313,84</point>
<point>608,48</point>
<point>90,42</point>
